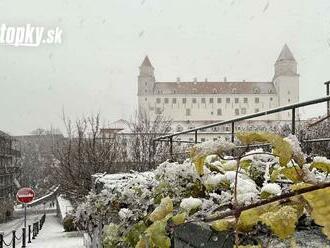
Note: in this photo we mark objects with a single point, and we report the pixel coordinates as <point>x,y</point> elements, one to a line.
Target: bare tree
<point>142,149</point>
<point>82,154</point>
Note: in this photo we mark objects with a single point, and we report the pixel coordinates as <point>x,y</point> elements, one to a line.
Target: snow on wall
<point>64,207</point>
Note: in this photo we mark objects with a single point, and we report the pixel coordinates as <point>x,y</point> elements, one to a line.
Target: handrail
<point>242,118</point>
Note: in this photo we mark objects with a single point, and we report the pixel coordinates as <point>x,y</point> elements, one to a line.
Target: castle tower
<point>286,80</point>
<point>146,83</point>
<point>146,79</point>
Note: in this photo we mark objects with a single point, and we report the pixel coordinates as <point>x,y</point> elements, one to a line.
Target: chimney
<point>205,80</point>
<point>244,80</point>
<point>178,80</point>
<point>225,79</point>
<point>195,80</point>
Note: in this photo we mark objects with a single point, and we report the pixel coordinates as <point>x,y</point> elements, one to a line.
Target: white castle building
<point>191,104</point>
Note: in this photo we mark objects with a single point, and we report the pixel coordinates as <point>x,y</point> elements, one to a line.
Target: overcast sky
<point>104,41</point>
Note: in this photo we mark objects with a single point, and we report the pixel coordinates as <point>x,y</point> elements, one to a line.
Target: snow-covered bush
<point>235,194</point>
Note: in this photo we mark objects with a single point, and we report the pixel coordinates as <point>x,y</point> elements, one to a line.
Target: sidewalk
<point>52,235</point>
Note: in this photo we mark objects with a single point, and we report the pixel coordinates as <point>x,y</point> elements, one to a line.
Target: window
<point>289,92</point>
<point>214,91</point>
<point>227,100</point>
<point>236,100</point>
<point>188,112</point>
<point>158,100</point>
<point>165,100</point>
<point>289,100</point>
<point>145,83</point>
<point>271,99</point>
<point>219,100</point>
<point>256,90</point>
<point>237,111</point>
<point>256,100</point>
<point>203,100</point>
<point>202,139</point>
<point>219,112</point>
<point>174,100</point>
<point>146,99</point>
<point>158,111</point>
<point>179,128</point>
<point>184,100</point>
<point>256,110</point>
<point>194,100</point>
<point>214,139</point>
<point>243,111</point>
<point>211,100</point>
<point>245,100</point>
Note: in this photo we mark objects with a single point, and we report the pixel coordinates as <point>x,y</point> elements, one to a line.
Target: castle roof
<point>146,62</point>
<point>214,88</point>
<point>285,54</point>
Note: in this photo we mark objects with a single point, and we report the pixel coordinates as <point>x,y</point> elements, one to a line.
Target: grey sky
<point>95,68</point>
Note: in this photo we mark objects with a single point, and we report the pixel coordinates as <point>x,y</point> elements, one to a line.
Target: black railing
<point>293,107</point>
<point>25,237</point>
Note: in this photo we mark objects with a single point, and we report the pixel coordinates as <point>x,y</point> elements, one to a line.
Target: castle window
<point>203,100</point>
<point>214,139</point>
<point>184,100</point>
<point>234,90</point>
<point>174,100</point>
<point>174,91</point>
<point>194,100</point>
<point>236,100</point>
<point>188,113</point>
<point>165,100</point>
<point>211,100</point>
<point>145,99</point>
<point>158,100</point>
<point>237,111</point>
<point>271,99</point>
<point>159,91</point>
<point>243,111</point>
<point>256,90</point>
<point>214,91</point>
<point>158,111</point>
<point>289,100</point>
<point>145,91</point>
<point>219,100</point>
<point>270,91</point>
<point>256,110</point>
<point>145,83</point>
<point>245,100</point>
<point>256,100</point>
<point>202,139</point>
<point>219,112</point>
<point>228,100</point>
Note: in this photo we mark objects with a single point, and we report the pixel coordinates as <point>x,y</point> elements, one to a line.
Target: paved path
<point>52,235</point>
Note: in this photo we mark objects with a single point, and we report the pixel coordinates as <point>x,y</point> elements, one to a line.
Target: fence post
<point>328,93</point>
<point>196,137</point>
<point>40,224</point>
<point>293,125</point>
<point>1,240</point>
<point>29,237</point>
<point>171,147</point>
<point>14,239</point>
<point>34,231</point>
<point>23,237</point>
<point>37,227</point>
<point>232,132</point>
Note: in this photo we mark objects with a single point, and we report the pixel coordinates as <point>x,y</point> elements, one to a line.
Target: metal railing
<point>292,108</point>
<point>26,236</point>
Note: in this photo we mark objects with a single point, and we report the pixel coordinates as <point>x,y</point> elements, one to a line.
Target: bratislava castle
<point>191,104</point>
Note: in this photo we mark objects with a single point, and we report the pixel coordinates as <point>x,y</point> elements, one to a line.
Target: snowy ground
<point>52,235</point>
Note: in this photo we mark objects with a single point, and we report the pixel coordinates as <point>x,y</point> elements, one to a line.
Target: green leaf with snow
<point>180,218</point>
<point>281,148</point>
<point>281,221</point>
<point>157,233</point>
<point>223,224</point>
<point>322,164</point>
<point>134,233</point>
<point>165,208</point>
